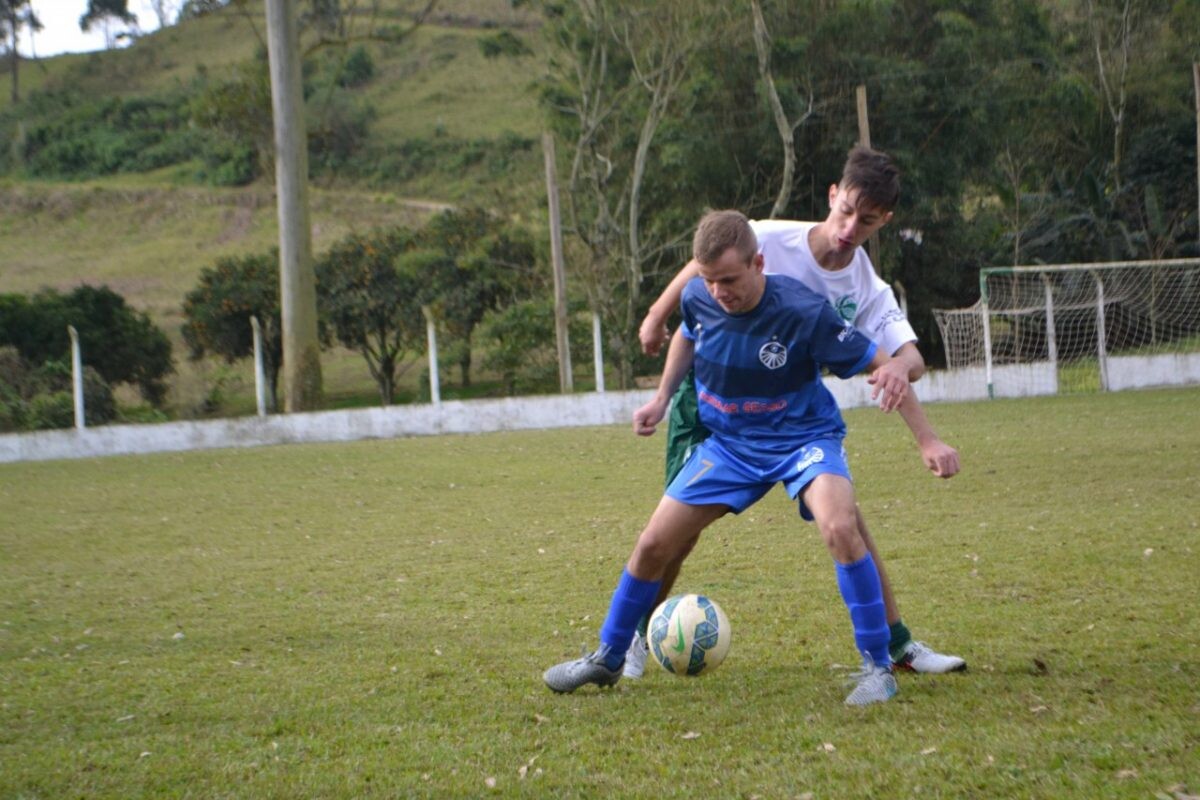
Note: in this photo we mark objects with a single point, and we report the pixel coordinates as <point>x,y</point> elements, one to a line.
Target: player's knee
<point>653,554</point>
<point>686,549</point>
<point>842,537</point>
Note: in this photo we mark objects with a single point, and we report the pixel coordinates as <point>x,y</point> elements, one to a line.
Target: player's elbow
<point>911,356</point>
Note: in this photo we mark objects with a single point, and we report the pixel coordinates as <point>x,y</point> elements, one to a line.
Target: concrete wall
<point>472,416</point>
<point>1140,372</point>
<point>523,413</point>
<point>943,386</point>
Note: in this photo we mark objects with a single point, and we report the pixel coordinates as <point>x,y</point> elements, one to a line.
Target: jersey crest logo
<point>773,355</point>
<point>846,307</point>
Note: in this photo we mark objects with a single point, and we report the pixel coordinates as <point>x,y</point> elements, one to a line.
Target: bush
<point>338,128</point>
<point>43,397</point>
<point>71,136</point>
<point>504,43</point>
<point>120,343</point>
<point>522,347</point>
<point>357,69</point>
<point>141,415</point>
<point>235,114</point>
<point>12,405</point>
<point>417,157</point>
<point>99,405</point>
<point>48,411</point>
<point>229,163</point>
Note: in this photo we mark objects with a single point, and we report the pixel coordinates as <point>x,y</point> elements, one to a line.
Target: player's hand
<point>940,458</point>
<point>891,384</point>
<point>653,335</point>
<point>646,418</point>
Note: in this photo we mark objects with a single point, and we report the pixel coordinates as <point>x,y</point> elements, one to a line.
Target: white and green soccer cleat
<point>873,684</point>
<point>920,657</point>
<point>635,657</point>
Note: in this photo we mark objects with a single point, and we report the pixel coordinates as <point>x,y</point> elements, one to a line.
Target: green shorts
<point>684,430</point>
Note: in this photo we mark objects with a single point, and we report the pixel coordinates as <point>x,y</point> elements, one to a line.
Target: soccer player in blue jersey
<point>757,344</point>
<point>828,258</point>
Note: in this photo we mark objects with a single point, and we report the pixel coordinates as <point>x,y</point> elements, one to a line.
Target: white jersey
<point>858,295</point>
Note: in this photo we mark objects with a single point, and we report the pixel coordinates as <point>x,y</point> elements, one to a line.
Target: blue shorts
<point>715,475</point>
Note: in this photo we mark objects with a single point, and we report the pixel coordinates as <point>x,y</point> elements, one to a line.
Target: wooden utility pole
<point>864,124</point>
<point>1196,82</point>
<point>297,282</point>
<point>864,138</point>
<point>566,382</point>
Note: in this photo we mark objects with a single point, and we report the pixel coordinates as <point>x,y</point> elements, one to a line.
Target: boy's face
<point>850,223</point>
<point>735,283</point>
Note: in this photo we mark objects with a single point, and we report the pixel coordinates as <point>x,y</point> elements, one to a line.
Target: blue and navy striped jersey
<point>758,374</point>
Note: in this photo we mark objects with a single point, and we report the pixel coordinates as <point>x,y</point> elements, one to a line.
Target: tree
<point>122,344</point>
<point>194,9</point>
<point>476,263</point>
<point>14,15</point>
<point>41,397</point>
<point>107,12</point>
<point>521,346</point>
<point>1112,40</point>
<point>333,22</point>
<point>162,11</point>
<point>616,71</point>
<point>238,111</point>
<point>218,312</point>
<point>786,127</point>
<point>370,294</point>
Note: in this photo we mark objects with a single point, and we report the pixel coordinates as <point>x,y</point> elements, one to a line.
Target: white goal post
<point>1070,328</point>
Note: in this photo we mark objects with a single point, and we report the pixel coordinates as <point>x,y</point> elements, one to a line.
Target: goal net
<point>1074,328</point>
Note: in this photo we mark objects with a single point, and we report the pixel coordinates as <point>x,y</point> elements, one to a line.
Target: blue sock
<point>859,584</point>
<point>632,599</point>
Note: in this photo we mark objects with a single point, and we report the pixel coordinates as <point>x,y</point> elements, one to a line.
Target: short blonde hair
<point>720,230</point>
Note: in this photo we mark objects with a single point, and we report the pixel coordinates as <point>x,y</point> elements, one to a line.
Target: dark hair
<point>720,230</point>
<point>874,175</point>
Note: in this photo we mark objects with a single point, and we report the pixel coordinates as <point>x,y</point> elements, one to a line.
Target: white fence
<point>509,414</point>
<point>464,416</point>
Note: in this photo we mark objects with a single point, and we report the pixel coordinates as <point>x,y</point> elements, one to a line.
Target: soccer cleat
<point>874,684</point>
<point>570,675</point>
<point>635,658</point>
<point>919,657</point>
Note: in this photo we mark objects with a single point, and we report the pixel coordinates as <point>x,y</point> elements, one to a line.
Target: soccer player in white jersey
<point>828,258</point>
<point>757,344</point>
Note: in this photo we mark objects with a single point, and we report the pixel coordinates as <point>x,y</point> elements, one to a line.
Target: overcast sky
<point>61,33</point>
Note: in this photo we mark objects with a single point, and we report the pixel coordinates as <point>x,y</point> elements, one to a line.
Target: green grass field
<point>372,619</point>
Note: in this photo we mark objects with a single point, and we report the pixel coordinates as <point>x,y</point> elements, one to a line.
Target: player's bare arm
<point>680,356</point>
<point>904,367</point>
<point>891,377</point>
<point>654,333</point>
<point>910,358</point>
<point>890,394</point>
<point>940,458</point>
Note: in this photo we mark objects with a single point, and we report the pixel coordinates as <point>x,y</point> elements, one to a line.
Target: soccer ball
<point>689,634</point>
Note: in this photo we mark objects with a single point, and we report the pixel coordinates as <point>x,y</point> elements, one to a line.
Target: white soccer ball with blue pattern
<point>689,635</point>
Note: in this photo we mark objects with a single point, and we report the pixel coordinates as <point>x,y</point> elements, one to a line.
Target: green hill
<point>448,126</point>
